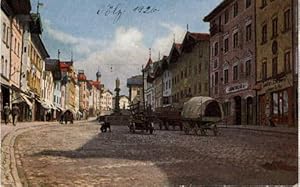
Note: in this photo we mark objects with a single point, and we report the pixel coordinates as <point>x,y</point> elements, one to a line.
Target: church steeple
<point>98,75</point>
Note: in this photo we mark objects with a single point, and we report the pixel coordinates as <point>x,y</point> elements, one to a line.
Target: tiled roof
<point>200,36</point>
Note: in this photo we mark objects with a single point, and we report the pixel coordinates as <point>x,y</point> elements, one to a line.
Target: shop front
<point>276,103</point>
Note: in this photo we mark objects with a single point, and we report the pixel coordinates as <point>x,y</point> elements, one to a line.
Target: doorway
<point>238,110</point>
<point>249,111</point>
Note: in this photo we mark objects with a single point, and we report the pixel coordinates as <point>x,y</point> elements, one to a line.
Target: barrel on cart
<point>168,117</point>
<point>201,114</point>
<point>140,118</point>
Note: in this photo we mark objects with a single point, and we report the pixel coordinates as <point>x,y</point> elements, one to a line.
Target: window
<point>18,49</point>
<point>216,78</point>
<point>235,72</point>
<point>248,32</point>
<point>199,88</point>
<point>7,35</point>
<point>263,3</point>
<point>287,20</point>
<point>274,27</point>
<point>199,68</point>
<point>235,40</point>
<point>287,61</point>
<point>226,16</point>
<point>274,67</point>
<point>248,3</point>
<point>264,70</point>
<point>264,34</point>
<point>4,32</point>
<point>216,48</point>
<point>248,68</point>
<point>235,9</point>
<point>280,103</point>
<point>225,76</point>
<point>226,45</point>
<point>2,65</point>
<point>15,45</point>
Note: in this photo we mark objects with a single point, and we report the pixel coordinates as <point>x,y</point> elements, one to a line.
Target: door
<point>238,110</point>
<point>262,110</point>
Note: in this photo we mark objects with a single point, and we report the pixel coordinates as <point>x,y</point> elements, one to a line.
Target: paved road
<point>80,155</point>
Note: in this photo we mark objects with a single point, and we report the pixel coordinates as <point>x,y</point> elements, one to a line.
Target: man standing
<point>6,113</point>
<point>15,113</point>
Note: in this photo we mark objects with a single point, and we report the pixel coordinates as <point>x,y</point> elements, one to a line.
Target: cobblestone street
<point>80,155</point>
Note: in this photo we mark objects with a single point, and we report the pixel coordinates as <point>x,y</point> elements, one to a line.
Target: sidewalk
<point>277,129</point>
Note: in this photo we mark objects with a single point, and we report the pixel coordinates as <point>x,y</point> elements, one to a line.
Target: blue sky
<point>117,49</point>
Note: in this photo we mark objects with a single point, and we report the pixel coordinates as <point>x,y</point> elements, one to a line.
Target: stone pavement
<point>78,155</point>
<point>277,129</point>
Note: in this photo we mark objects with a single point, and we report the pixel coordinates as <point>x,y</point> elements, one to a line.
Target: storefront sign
<point>236,87</point>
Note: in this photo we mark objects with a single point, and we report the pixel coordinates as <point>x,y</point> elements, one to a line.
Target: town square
<point>149,93</point>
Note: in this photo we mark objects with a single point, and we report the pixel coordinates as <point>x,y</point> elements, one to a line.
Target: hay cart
<point>140,119</point>
<point>201,114</point>
<point>169,116</point>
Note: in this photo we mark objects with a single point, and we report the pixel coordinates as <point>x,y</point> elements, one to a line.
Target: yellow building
<point>274,54</point>
<point>189,64</point>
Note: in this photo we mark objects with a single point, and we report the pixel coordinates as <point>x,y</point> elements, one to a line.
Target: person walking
<point>6,113</point>
<point>15,113</point>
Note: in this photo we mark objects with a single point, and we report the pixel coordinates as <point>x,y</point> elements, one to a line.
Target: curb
<point>12,163</point>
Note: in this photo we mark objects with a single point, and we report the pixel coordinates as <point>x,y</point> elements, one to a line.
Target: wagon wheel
<point>203,132</point>
<point>186,128</point>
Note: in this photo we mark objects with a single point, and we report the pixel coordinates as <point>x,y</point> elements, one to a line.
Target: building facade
<point>189,67</point>
<point>135,85</point>
<point>232,59</point>
<point>106,100</point>
<point>275,66</point>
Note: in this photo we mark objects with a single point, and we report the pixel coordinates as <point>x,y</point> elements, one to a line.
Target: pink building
<point>232,59</point>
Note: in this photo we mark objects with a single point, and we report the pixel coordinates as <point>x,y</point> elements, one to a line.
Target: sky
<point>114,36</point>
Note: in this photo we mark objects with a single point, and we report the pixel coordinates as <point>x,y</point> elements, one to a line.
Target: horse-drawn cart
<point>168,116</point>
<point>140,119</point>
<point>201,114</point>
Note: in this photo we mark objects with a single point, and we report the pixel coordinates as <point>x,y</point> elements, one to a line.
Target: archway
<point>249,111</point>
<point>238,111</point>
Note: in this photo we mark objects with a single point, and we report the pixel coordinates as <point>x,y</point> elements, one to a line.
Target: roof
<point>218,9</point>
<point>96,84</point>
<point>199,36</point>
<point>175,52</point>
<point>20,6</point>
<point>135,80</point>
<point>148,63</point>
<point>81,77</point>
<point>40,45</point>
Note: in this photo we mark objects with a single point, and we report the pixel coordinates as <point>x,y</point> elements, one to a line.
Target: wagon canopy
<point>202,107</point>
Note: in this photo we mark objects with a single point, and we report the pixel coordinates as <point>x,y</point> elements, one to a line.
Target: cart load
<point>200,114</point>
<point>140,119</point>
<point>168,116</point>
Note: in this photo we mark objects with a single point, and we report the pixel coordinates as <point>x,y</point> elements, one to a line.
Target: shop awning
<point>22,98</point>
<point>29,103</point>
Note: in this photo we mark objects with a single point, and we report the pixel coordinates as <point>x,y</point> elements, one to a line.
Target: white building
<point>106,100</point>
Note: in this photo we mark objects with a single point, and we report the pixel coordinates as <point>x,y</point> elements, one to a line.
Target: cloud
<point>164,44</point>
<point>80,45</point>
<point>121,57</point>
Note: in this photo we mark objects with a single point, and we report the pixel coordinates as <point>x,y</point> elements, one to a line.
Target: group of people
<point>66,116</point>
<point>14,112</point>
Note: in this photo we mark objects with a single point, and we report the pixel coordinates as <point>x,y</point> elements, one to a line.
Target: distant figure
<point>6,113</point>
<point>15,113</point>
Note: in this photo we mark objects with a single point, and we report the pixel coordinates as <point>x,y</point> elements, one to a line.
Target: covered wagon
<point>200,114</point>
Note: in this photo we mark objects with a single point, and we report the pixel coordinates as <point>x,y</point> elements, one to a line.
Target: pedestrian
<point>15,114</point>
<point>6,113</point>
